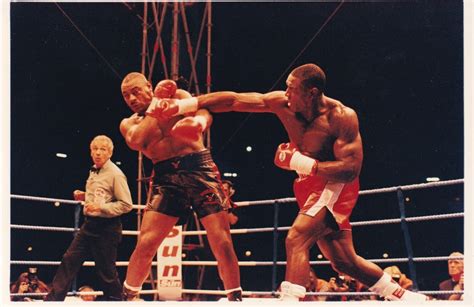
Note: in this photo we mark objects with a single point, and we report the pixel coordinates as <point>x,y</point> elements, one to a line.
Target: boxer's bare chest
<point>315,139</point>
<point>160,145</point>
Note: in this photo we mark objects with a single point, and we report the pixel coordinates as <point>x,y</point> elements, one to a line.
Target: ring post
<point>77,215</point>
<point>406,236</point>
<point>275,249</point>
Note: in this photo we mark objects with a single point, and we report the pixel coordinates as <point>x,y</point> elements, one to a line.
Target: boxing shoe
<point>234,295</point>
<point>390,290</point>
<point>406,296</point>
<point>291,292</point>
<point>130,293</point>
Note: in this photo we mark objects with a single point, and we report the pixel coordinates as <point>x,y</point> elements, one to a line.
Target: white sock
<point>131,288</point>
<point>227,291</point>
<point>291,292</point>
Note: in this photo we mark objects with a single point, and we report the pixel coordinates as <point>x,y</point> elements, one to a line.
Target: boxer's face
<point>137,94</point>
<point>298,97</point>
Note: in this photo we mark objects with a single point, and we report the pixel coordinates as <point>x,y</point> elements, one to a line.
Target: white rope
<point>433,292</point>
<point>364,192</point>
<point>265,202</point>
<point>247,263</point>
<point>264,229</point>
<point>46,199</point>
<point>410,219</point>
<point>58,200</point>
<point>72,293</point>
<point>44,228</point>
<point>244,293</point>
<point>272,201</point>
<point>413,186</point>
<point>254,230</point>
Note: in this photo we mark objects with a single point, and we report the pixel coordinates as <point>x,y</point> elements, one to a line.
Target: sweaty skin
<point>321,128</point>
<point>326,130</point>
<point>160,139</point>
<point>150,135</point>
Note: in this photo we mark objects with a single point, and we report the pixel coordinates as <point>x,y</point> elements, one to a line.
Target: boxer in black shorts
<point>185,177</point>
<point>184,183</point>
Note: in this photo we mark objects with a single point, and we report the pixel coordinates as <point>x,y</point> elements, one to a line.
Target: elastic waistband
<point>186,162</point>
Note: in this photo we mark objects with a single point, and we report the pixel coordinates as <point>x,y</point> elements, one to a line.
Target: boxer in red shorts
<point>314,192</point>
<point>325,149</point>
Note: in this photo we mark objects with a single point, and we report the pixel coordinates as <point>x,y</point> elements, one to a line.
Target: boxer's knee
<point>295,241</point>
<point>146,246</point>
<point>225,247</point>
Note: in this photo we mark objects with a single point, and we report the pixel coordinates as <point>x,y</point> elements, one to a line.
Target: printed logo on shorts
<point>211,198</point>
<point>176,164</point>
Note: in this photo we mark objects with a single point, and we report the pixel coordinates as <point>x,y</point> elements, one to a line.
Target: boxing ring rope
<point>275,229</point>
<point>245,263</point>
<point>245,293</point>
<point>269,201</point>
<point>259,230</point>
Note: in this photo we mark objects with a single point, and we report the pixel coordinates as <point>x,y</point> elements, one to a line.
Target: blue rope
<point>406,236</point>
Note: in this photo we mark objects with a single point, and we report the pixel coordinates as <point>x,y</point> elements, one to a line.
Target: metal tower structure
<point>165,32</point>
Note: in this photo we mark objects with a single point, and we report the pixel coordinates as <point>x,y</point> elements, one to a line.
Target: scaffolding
<point>157,24</point>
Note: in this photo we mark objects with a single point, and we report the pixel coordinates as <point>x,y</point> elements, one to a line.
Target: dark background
<point>398,64</point>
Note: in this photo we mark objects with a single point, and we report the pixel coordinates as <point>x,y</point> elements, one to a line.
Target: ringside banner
<point>169,266</point>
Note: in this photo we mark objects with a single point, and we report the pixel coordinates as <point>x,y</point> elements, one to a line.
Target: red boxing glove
<point>288,157</point>
<point>161,107</point>
<point>165,89</point>
<point>189,128</point>
<point>283,155</point>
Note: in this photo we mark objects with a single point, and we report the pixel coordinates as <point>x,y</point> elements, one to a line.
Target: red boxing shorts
<point>314,192</point>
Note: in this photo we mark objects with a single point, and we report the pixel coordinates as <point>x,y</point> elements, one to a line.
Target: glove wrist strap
<point>152,105</point>
<point>303,164</point>
<point>187,105</point>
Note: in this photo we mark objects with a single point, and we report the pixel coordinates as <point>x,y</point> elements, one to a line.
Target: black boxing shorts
<point>186,183</point>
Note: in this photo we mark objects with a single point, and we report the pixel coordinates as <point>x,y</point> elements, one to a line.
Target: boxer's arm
<point>181,94</point>
<point>192,127</point>
<point>222,102</point>
<point>242,102</point>
<point>347,148</point>
<point>204,118</point>
<point>135,130</point>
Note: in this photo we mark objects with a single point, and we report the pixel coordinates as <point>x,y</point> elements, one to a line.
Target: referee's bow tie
<point>95,169</point>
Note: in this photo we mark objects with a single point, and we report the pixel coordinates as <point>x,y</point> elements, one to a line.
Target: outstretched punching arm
<point>221,102</point>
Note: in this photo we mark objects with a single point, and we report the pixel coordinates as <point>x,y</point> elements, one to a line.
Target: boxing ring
<point>403,220</point>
